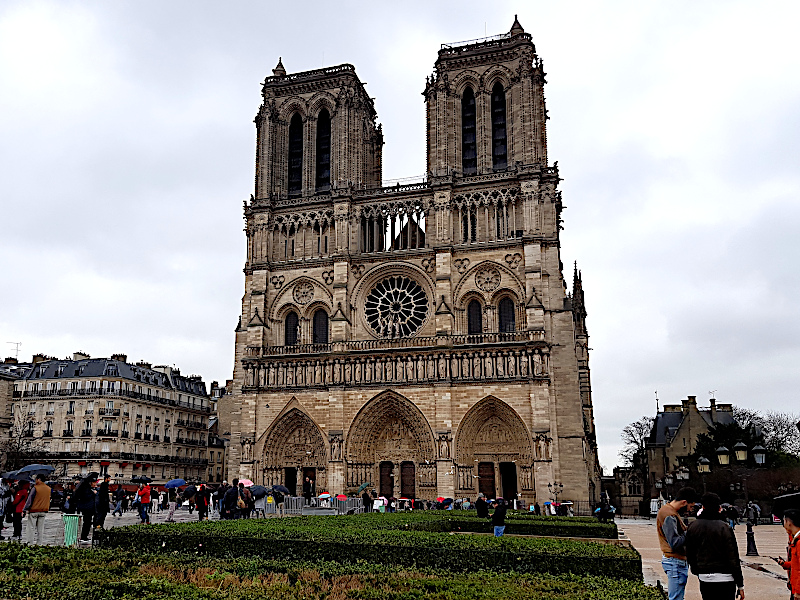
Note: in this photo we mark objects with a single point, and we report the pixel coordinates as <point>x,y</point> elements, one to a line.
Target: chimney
<point>712,402</point>
<point>11,361</point>
<point>80,356</point>
<point>37,358</point>
<point>144,365</point>
<point>120,357</point>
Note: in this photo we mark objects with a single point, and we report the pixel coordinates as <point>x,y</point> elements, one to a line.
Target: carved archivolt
<point>488,276</point>
<point>390,427</point>
<point>294,440</point>
<point>493,428</point>
<point>298,293</point>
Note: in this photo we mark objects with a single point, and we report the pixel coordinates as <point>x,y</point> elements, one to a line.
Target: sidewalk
<point>763,578</point>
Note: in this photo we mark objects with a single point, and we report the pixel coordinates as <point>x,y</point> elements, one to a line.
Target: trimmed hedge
<point>42,573</point>
<point>348,539</point>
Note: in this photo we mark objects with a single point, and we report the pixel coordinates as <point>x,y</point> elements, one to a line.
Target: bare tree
<point>20,447</point>
<point>781,432</point>
<point>634,439</point>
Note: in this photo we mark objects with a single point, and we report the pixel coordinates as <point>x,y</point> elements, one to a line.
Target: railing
<point>343,68</point>
<point>89,411</point>
<point>156,438</point>
<point>399,343</point>
<point>125,434</point>
<point>137,435</point>
<point>166,439</point>
<point>147,437</point>
<point>86,432</point>
<point>47,433</point>
<point>420,186</point>
<point>108,432</point>
<point>113,393</point>
<point>50,412</point>
<point>110,412</point>
<point>68,433</point>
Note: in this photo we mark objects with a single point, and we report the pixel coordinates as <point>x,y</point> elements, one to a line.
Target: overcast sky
<point>127,148</point>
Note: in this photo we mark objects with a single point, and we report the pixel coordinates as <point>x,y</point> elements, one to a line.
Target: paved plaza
<point>763,578</point>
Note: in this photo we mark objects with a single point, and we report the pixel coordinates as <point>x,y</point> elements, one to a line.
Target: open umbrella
<point>325,496</point>
<point>189,491</point>
<point>280,488</point>
<point>141,479</point>
<point>246,482</point>
<point>440,499</point>
<point>364,486</point>
<point>258,491</point>
<point>34,470</point>
<point>341,497</point>
<point>175,483</point>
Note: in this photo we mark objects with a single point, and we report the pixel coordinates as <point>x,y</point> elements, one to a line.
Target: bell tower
<point>485,106</point>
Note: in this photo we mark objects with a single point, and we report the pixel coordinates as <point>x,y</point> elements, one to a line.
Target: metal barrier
<point>293,505</point>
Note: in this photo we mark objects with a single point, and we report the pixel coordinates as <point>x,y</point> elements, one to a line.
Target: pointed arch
<point>390,427</point>
<point>293,442</point>
<point>499,133</point>
<point>295,154</point>
<point>491,429</point>
<point>469,154</point>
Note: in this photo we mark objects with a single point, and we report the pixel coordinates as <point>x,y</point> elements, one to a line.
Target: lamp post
<point>703,467</point>
<point>555,489</point>
<point>740,452</point>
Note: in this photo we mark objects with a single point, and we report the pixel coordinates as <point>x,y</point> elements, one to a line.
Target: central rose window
<point>396,307</point>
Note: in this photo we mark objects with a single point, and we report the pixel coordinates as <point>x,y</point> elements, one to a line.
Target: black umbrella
<point>141,479</point>
<point>280,488</point>
<point>258,491</point>
<point>189,491</point>
<point>34,470</point>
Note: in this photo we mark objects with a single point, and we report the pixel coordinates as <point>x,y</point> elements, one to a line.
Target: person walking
<point>144,503</point>
<point>103,500</point>
<point>172,496</point>
<point>202,503</point>
<point>17,504</point>
<point>230,501</point>
<point>712,553</point>
<point>482,507</point>
<point>366,501</point>
<point>671,535</point>
<point>499,517</point>
<point>85,499</point>
<point>791,523</point>
<point>279,502</point>
<point>36,507</point>
<point>119,496</point>
<point>307,491</point>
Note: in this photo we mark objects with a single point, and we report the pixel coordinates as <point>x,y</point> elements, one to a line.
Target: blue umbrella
<point>175,483</point>
<point>34,470</point>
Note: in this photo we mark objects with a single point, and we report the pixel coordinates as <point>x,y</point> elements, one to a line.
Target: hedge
<point>343,540</point>
<point>42,573</point>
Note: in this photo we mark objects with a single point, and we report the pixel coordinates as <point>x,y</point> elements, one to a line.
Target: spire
<point>578,305</point>
<point>516,28</point>
<point>279,70</point>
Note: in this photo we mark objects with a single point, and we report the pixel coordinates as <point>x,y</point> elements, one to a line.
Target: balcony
<point>180,423</point>
<point>180,440</point>
<point>156,438</point>
<point>166,439</point>
<point>50,413</point>
<point>71,411</point>
<point>126,414</point>
<point>137,435</point>
<point>109,412</point>
<point>27,433</point>
<point>68,433</point>
<point>86,433</point>
<point>47,433</point>
<point>147,437</point>
<point>139,416</point>
<point>148,418</point>
<point>89,411</point>
<point>108,432</point>
<point>125,434</point>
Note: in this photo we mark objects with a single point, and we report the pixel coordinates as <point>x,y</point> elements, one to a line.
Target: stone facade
<point>417,337</point>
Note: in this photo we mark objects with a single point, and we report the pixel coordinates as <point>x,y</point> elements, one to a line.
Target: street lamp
<point>759,454</point>
<point>703,465</point>
<point>723,456</point>
<point>740,449</point>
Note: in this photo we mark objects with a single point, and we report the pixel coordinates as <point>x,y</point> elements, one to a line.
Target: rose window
<point>396,307</point>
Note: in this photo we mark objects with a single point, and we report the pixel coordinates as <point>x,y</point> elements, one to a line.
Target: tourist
<point>308,490</point>
<point>172,496</point>
<point>202,503</point>
<point>230,502</point>
<point>20,497</point>
<point>366,501</point>
<point>482,507</point>
<point>499,517</point>
<point>85,499</point>
<point>712,553</point>
<point>791,523</point>
<point>537,510</point>
<point>671,534</point>
<point>36,506</point>
<point>119,497</point>
<point>102,503</point>
<point>732,514</point>
<point>280,499</point>
<point>5,503</point>
<point>144,497</point>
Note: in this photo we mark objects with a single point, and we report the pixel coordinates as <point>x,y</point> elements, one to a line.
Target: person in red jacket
<point>791,523</point>
<point>144,503</point>
<point>20,497</point>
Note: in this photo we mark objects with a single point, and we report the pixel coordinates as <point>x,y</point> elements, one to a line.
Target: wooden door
<point>386,487</point>
<point>408,473</point>
<point>486,479</point>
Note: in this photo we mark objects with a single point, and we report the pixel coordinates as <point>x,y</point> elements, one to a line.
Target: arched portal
<point>390,438</point>
<point>293,448</point>
<point>494,452</point>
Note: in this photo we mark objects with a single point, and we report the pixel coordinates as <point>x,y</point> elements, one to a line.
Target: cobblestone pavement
<point>54,527</point>
<point>763,578</point>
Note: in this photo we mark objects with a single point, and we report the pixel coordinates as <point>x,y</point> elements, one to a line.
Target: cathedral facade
<point>421,337</point>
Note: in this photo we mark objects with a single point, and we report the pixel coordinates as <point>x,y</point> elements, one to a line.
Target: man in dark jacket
<point>482,507</point>
<point>499,517</point>
<point>119,496</point>
<point>229,502</point>
<point>366,501</point>
<point>713,554</point>
<point>102,503</point>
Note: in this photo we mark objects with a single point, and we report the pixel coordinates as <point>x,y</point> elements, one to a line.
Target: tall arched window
<point>499,148</point>
<point>290,333</point>
<point>320,326</point>
<point>296,155</point>
<point>323,151</point>
<point>469,155</point>
<point>474,318</point>
<point>505,310</point>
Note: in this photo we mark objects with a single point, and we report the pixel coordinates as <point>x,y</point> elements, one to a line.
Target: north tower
<point>419,337</point>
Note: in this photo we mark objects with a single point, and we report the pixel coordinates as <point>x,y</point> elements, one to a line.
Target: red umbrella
<point>341,497</point>
<point>440,499</point>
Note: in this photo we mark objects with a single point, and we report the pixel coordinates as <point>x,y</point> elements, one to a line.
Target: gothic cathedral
<point>417,337</point>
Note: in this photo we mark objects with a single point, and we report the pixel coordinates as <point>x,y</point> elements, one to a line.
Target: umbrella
<point>189,491</point>
<point>258,491</point>
<point>364,486</point>
<point>341,497</point>
<point>246,482</point>
<point>404,499</point>
<point>325,495</point>
<point>440,499</point>
<point>280,488</point>
<point>175,483</point>
<point>140,479</point>
<point>34,470</point>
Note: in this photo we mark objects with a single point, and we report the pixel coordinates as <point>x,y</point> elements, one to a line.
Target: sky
<point>127,147</point>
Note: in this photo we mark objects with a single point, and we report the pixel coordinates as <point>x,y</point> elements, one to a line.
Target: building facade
<point>417,337</point>
<point>110,416</point>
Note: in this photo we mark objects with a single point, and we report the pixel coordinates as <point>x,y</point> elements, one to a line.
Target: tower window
<point>469,155</point>
<point>474,318</point>
<point>499,146</point>
<point>323,151</point>
<point>290,329</point>
<point>320,327</point>
<point>469,225</point>
<point>506,316</point>
<point>295,155</point>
